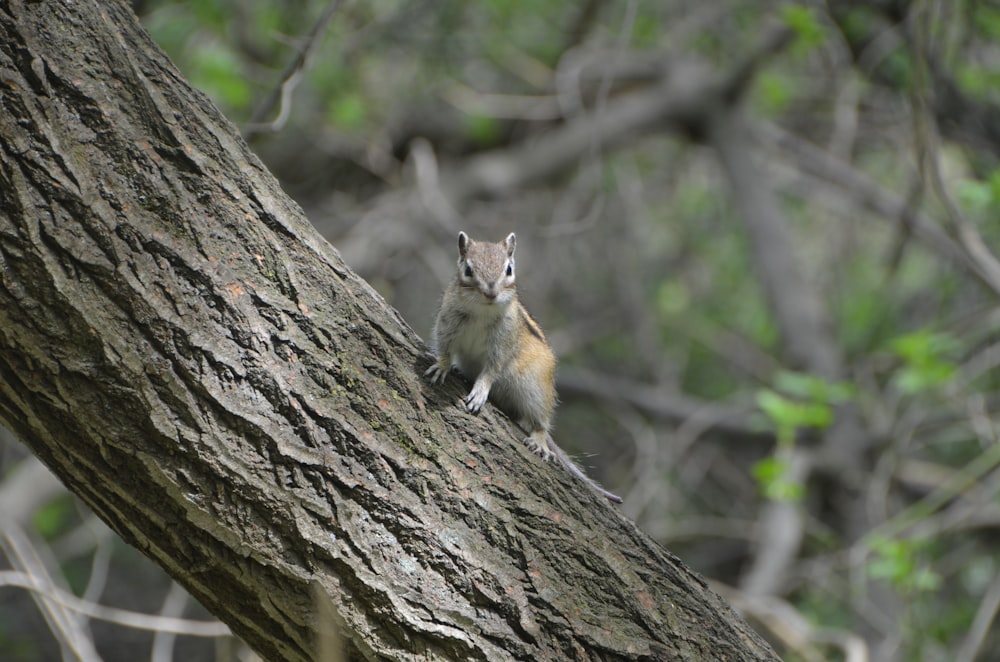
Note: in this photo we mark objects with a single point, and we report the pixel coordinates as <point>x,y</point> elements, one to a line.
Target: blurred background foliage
<point>875,125</point>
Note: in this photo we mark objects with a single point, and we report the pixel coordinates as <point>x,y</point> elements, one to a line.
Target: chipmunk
<point>484,331</point>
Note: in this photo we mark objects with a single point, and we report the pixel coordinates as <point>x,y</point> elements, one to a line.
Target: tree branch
<point>810,345</point>
<point>729,420</point>
<point>679,93</point>
<point>281,95</point>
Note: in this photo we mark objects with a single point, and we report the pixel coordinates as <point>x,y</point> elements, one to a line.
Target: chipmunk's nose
<point>490,292</point>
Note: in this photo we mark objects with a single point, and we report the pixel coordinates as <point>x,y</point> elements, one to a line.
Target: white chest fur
<point>477,337</point>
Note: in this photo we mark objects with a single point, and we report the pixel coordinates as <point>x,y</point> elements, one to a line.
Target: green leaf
<point>987,20</point>
<point>769,469</point>
<point>980,197</point>
<point>647,31</point>
<point>349,111</point>
<point>914,379</point>
<point>802,21</point>
<point>925,579</point>
<point>773,93</point>
<point>771,475</point>
<point>52,518</point>
<point>779,410</point>
<point>483,130</point>
<point>672,298</point>
<point>898,562</point>
<point>926,359</point>
<point>924,345</point>
<point>975,196</point>
<point>811,387</point>
<point>212,13</point>
<point>891,569</point>
<point>216,70</point>
<point>787,414</point>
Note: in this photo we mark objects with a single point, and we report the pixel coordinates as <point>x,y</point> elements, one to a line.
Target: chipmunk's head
<point>487,269</point>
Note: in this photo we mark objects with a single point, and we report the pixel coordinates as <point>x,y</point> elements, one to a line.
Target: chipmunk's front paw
<point>437,373</point>
<point>477,397</point>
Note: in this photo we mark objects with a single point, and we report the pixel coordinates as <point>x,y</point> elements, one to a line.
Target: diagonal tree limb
<point>189,356</point>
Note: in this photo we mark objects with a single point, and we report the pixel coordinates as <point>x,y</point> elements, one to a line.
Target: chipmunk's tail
<point>571,467</point>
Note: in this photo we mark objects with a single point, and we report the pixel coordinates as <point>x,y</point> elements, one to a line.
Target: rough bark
<point>186,353</point>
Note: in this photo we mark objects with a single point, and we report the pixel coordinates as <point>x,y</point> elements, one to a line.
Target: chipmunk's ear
<point>510,242</point>
<point>463,244</point>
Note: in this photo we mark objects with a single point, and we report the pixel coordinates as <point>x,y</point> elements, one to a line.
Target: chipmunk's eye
<point>468,271</point>
<point>510,270</point>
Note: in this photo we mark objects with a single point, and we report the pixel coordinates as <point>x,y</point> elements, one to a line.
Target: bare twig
<point>683,95</point>
<point>502,106</point>
<point>792,628</point>
<point>861,188</point>
<point>173,607</point>
<point>69,629</point>
<point>732,420</point>
<point>985,615</point>
<point>802,322</point>
<point>123,617</point>
<point>281,95</point>
<point>927,142</point>
<point>808,341</point>
<point>99,567</point>
<point>780,528</point>
<point>959,482</point>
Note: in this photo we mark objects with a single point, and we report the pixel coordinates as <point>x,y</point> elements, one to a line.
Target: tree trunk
<point>196,363</point>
